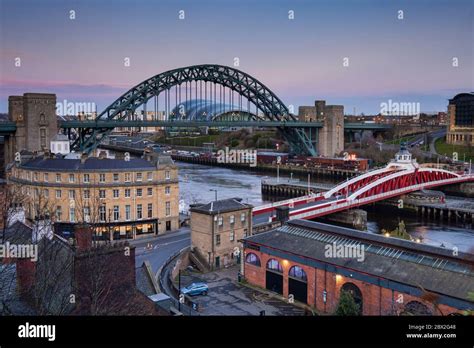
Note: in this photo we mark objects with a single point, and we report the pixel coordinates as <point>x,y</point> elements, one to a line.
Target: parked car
<point>195,289</point>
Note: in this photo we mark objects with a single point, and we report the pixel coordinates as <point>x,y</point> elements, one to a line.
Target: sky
<point>300,59</point>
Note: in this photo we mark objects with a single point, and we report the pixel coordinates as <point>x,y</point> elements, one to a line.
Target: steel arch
<point>247,86</point>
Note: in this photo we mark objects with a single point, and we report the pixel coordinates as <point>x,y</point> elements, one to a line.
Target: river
<point>198,181</point>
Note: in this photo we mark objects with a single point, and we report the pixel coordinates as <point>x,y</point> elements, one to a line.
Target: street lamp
<point>215,191</point>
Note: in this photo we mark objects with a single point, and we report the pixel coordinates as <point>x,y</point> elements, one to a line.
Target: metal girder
<point>247,86</point>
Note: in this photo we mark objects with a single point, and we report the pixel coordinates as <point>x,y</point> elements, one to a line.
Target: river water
<point>197,181</point>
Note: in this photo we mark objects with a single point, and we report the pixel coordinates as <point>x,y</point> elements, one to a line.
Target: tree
<point>347,306</point>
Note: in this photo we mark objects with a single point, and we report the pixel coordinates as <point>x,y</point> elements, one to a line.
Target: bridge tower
<point>330,138</point>
<point>36,123</point>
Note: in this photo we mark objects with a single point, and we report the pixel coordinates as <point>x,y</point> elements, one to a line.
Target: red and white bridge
<point>401,176</point>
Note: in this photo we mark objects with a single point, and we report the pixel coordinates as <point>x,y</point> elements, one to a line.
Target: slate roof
<point>18,233</point>
<point>220,206</point>
<point>432,268</point>
<point>90,164</point>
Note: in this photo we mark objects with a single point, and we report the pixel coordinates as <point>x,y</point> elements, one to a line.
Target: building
<point>122,198</point>
<point>216,229</point>
<point>330,139</point>
<point>461,120</point>
<point>36,122</point>
<point>386,276</point>
<point>102,277</point>
<point>60,144</point>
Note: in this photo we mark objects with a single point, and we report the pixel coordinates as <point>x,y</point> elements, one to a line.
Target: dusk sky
<point>82,60</point>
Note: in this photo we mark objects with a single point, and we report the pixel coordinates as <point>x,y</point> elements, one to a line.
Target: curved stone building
<point>122,198</point>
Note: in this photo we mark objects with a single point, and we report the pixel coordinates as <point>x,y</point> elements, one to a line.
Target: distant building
<point>60,144</point>
<point>461,120</point>
<point>216,229</point>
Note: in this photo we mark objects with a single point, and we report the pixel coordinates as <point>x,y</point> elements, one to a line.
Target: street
<point>160,248</point>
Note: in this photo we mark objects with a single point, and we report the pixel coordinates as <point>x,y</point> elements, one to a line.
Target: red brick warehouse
<point>395,276</point>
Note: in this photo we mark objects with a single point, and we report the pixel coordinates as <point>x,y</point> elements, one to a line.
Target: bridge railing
<point>380,196</point>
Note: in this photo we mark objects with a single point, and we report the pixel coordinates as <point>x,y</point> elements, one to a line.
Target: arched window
<point>416,308</point>
<point>274,265</point>
<point>298,272</point>
<point>252,259</point>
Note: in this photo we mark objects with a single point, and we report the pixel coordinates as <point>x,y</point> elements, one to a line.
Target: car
<point>195,289</point>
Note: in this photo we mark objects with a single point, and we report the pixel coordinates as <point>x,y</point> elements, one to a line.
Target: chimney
<point>102,155</point>
<point>83,158</point>
<point>119,156</point>
<point>83,234</point>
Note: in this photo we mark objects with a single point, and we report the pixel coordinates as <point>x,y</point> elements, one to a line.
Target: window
<point>116,212</point>
<point>46,177</point>
<point>252,259</point>
<point>138,177</point>
<point>102,215</point>
<point>232,236</point>
<point>59,213</point>
<point>139,192</point>
<point>150,210</point>
<point>167,175</point>
<point>87,194</point>
<point>243,217</point>
<point>232,219</point>
<point>43,136</point>
<point>87,214</point>
<point>149,176</point>
<point>150,191</point>
<point>35,176</point>
<point>58,193</point>
<point>297,272</point>
<point>71,178</point>
<point>116,193</point>
<point>36,193</point>
<point>128,177</point>
<point>218,239</point>
<point>58,177</point>
<point>101,193</point>
<point>116,177</point>
<point>168,208</point>
<point>274,265</point>
<point>167,190</point>
<point>127,213</point>
<point>46,193</point>
<point>220,221</point>
<point>72,194</point>
<point>139,211</point>
<point>101,177</point>
<point>86,178</point>
<point>72,214</point>
<point>127,193</point>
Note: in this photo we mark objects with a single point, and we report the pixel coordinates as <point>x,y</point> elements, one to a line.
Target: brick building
<point>216,229</point>
<point>395,276</point>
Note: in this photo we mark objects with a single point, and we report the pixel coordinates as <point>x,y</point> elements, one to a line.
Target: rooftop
<point>90,164</point>
<point>398,260</point>
<point>220,206</point>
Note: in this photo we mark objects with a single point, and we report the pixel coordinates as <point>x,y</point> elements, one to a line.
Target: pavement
<point>228,297</point>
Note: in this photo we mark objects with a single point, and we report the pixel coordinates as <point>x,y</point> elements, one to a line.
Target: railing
<point>380,196</point>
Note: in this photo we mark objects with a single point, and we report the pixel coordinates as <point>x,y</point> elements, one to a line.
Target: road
<point>158,249</point>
